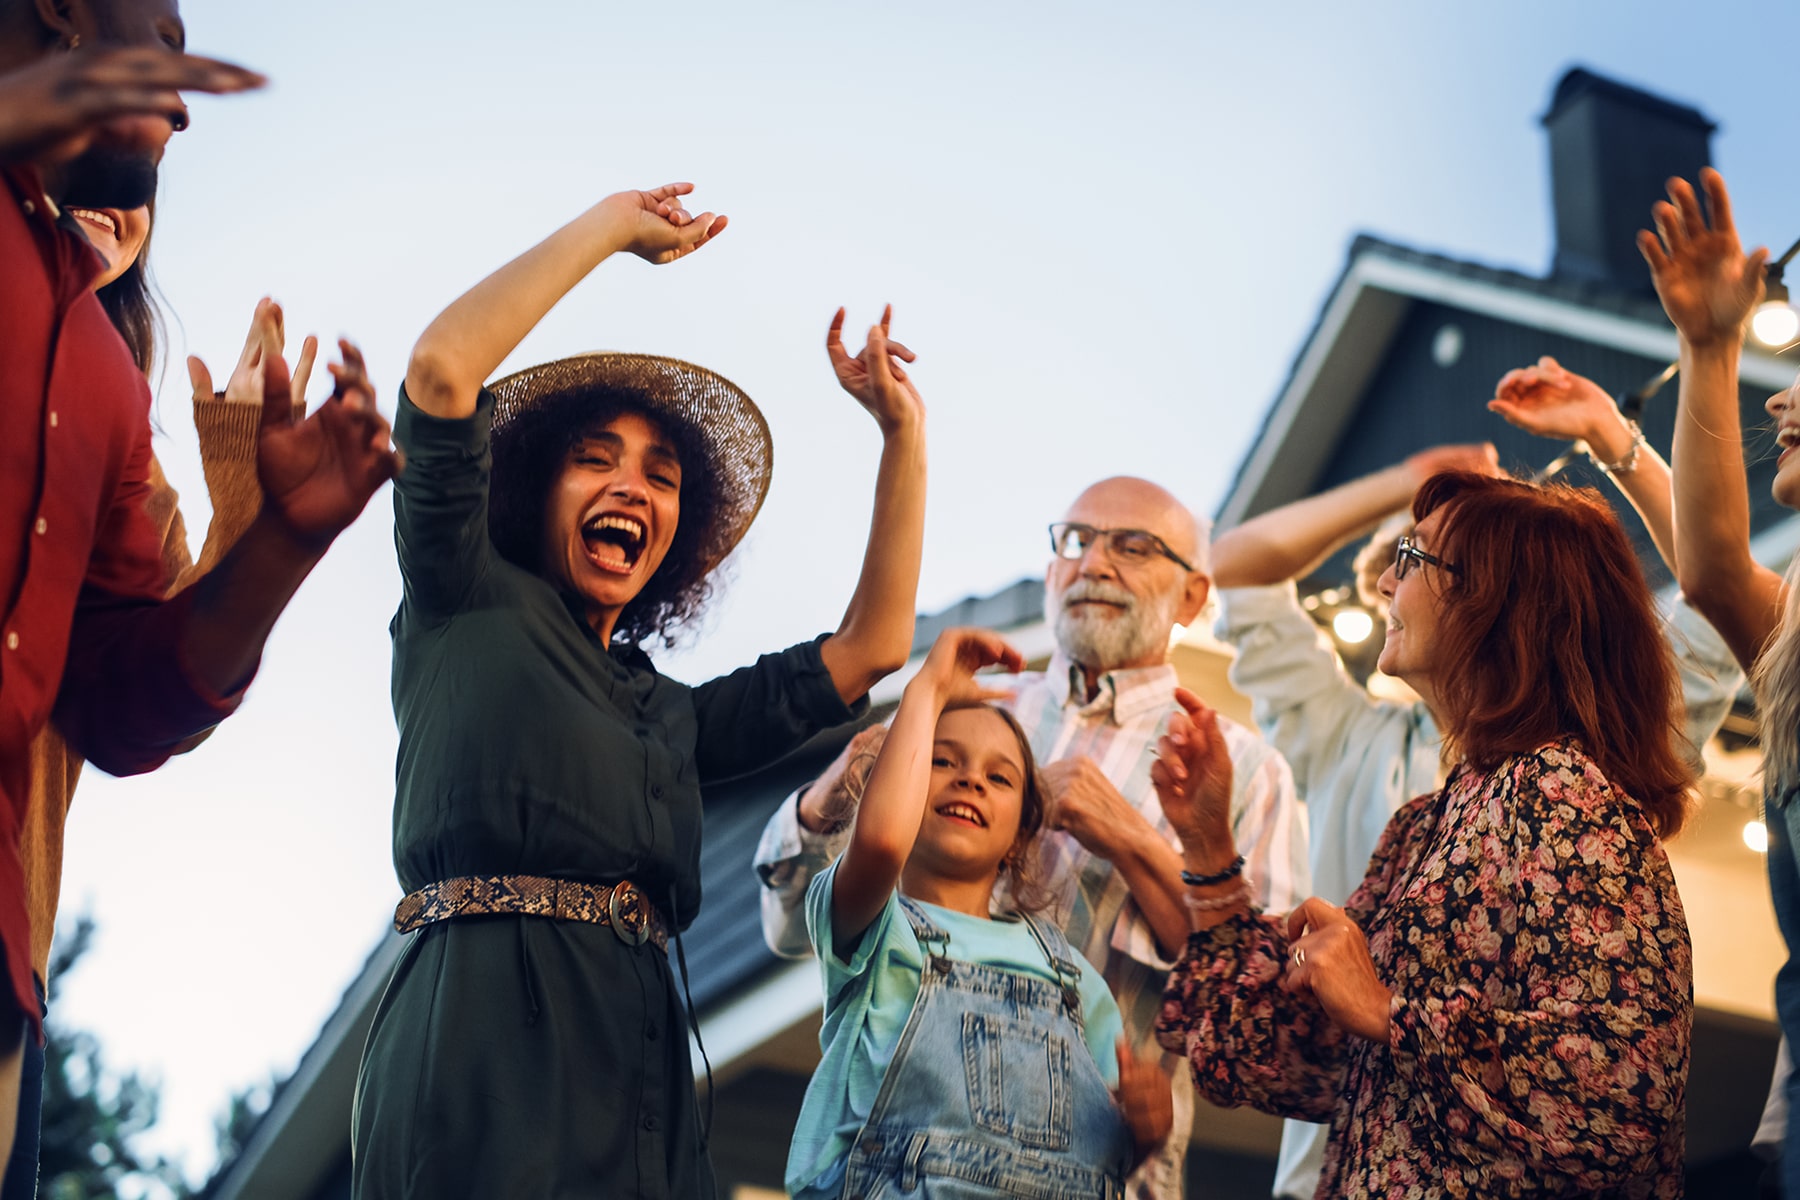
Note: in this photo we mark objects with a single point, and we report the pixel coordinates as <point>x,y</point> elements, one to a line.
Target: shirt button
<point>654,791</point>
<point>650,1124</point>
<point>650,1031</point>
<point>43,526</point>
<point>30,208</point>
<point>12,640</point>
<point>53,420</point>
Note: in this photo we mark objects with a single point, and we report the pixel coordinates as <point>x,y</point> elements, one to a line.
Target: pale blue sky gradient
<point>1105,231</point>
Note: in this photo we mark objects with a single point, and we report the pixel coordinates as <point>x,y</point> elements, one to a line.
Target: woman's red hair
<point>1555,635</point>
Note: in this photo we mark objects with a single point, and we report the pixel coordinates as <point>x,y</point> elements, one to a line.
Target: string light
<point>1775,323</point>
<point>1756,836</point>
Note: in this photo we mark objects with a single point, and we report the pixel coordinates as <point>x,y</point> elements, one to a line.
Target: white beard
<point>1105,642</point>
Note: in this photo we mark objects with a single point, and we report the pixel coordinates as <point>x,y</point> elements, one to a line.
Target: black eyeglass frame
<point>1060,529</point>
<point>1405,554</point>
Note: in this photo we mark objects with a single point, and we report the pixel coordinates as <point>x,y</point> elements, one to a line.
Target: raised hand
<point>656,227</point>
<point>1145,1098</point>
<point>1192,776</point>
<point>832,798</point>
<point>949,669</point>
<point>1328,955</point>
<point>267,337</point>
<point>318,473</point>
<point>1480,457</point>
<point>875,376</point>
<point>1552,401</point>
<point>1708,285</point>
<point>51,110</point>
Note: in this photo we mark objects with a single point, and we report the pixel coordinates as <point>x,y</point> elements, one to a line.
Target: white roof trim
<point>1548,313</point>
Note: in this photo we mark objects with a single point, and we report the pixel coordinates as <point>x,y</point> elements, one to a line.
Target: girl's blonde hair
<point>1776,681</point>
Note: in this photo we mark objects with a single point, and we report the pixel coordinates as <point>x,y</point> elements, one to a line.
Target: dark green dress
<point>520,1056</point>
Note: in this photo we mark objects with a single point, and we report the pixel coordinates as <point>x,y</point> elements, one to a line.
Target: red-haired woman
<point>1503,1007</point>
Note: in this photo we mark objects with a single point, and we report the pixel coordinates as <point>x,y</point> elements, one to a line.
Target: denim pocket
<point>1018,1077</point>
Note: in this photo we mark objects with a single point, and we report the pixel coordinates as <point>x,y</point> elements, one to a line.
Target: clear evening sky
<point>1105,230</point>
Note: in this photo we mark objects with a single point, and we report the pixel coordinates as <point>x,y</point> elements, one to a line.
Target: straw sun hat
<point>731,431</point>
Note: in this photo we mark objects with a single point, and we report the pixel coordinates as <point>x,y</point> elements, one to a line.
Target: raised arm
<point>461,349</point>
<point>1708,287</point>
<point>1552,401</point>
<point>1291,541</point>
<point>887,821</point>
<point>875,636</point>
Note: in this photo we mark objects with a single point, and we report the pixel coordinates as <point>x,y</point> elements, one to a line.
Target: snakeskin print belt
<point>621,906</point>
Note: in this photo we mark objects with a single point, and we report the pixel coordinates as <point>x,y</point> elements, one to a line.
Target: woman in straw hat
<point>533,1041</point>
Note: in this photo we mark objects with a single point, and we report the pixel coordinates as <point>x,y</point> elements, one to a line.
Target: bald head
<point>1127,502</point>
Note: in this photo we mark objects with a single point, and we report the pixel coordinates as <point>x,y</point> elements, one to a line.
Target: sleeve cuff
<point>816,694</point>
<point>1243,606</point>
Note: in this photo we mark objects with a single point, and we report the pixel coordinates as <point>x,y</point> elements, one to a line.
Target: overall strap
<point>935,941</point>
<point>1056,949</point>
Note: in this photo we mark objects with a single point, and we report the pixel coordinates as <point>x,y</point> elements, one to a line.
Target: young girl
<point>987,1074</point>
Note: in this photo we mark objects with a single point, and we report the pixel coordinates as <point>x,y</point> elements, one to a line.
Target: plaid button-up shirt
<point>1118,729</point>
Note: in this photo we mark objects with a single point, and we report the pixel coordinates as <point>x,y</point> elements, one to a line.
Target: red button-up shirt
<point>82,626</point>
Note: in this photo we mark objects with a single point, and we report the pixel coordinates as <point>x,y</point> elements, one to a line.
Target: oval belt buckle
<point>626,910</point>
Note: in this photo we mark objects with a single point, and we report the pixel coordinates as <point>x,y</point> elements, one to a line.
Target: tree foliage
<point>93,1115</point>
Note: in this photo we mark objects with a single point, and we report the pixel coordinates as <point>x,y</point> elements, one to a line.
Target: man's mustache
<point>1094,591</point>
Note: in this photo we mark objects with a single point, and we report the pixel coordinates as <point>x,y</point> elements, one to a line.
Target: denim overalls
<point>991,1090</point>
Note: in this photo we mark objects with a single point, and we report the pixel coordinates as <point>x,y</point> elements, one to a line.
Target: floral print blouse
<point>1527,922</point>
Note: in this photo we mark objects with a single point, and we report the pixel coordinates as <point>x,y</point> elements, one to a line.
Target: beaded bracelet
<point>1627,464</point>
<point>1232,872</point>
<point>1240,894</point>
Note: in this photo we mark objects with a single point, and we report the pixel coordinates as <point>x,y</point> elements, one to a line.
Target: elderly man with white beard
<point>1130,564</point>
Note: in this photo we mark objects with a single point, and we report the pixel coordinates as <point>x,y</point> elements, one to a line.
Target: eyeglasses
<point>1127,547</point>
<point>1406,554</point>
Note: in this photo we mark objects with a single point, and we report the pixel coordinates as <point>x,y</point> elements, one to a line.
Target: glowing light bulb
<point>1352,625</point>
<point>1756,836</point>
<point>1775,323</point>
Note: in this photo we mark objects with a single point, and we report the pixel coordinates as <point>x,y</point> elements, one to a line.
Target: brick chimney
<point>1611,149</point>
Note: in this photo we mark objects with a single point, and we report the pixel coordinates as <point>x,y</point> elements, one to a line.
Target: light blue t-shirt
<point>868,1001</point>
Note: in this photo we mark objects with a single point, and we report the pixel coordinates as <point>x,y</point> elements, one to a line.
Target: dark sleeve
<point>441,504</point>
<point>756,714</point>
<point>125,702</point>
<point>1249,1040</point>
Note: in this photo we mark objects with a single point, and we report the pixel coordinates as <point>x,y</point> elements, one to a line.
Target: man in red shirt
<point>89,94</point>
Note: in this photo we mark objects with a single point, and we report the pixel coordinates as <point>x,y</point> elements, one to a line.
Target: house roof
<point>1380,284</point>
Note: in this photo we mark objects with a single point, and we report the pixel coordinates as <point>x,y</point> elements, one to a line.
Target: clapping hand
<point>875,376</point>
<point>1707,283</point>
<point>656,227</point>
<point>319,472</point>
<point>267,337</point>
<point>1328,956</point>
<point>1192,777</point>
<point>1145,1099</point>
<point>831,799</point>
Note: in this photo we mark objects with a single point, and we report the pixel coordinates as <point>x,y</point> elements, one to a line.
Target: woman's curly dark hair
<point>529,454</point>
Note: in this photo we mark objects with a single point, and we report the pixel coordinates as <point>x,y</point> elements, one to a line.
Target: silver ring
<point>1299,958</point>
